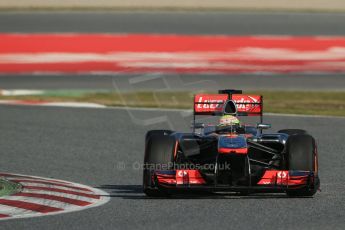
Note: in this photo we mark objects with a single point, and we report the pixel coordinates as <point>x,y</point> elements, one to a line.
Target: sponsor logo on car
<point>247,103</point>
<point>208,103</point>
<point>281,174</point>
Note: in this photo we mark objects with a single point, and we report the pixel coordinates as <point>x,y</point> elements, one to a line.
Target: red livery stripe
<point>235,151</point>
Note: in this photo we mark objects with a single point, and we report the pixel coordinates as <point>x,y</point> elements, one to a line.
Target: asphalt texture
<point>230,23</point>
<point>181,82</point>
<point>175,22</point>
<point>103,147</point>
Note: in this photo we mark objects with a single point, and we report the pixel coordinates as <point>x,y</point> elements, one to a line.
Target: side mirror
<point>198,128</point>
<point>198,125</point>
<point>263,126</point>
<point>230,108</point>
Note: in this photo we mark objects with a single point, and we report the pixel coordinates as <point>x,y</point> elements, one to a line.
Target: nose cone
<point>236,144</point>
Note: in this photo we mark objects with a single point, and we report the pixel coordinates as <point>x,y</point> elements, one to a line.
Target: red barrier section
<point>88,53</point>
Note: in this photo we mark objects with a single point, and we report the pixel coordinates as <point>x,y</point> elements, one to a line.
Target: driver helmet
<point>226,120</point>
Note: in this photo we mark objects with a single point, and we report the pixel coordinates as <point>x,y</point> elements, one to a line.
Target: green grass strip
<point>8,187</point>
<point>299,102</point>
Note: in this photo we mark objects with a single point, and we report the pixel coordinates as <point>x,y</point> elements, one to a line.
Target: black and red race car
<point>234,158</point>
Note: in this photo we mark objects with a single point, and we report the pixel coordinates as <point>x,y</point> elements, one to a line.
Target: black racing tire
<point>301,155</point>
<point>159,154</point>
<point>292,131</point>
<point>162,132</point>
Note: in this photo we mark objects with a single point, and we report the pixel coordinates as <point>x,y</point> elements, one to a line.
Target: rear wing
<point>212,104</point>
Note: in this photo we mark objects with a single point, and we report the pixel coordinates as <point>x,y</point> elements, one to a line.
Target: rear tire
<point>159,152</point>
<point>292,131</point>
<point>301,156</point>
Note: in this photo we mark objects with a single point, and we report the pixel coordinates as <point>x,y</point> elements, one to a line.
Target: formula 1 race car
<point>231,158</point>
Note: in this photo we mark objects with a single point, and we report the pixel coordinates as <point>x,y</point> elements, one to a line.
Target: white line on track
<point>8,210</point>
<point>184,111</point>
<point>44,196</point>
<point>54,186</point>
<point>71,196</point>
<point>46,202</point>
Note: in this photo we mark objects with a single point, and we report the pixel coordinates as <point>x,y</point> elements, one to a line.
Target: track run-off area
<point>103,147</point>
<point>147,53</point>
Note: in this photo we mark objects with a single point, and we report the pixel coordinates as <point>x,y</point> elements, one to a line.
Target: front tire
<point>159,132</point>
<point>301,155</point>
<point>292,131</point>
<point>159,153</point>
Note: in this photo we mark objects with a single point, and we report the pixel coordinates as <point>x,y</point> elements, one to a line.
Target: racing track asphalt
<point>181,82</point>
<point>243,23</point>
<point>231,23</point>
<point>88,145</point>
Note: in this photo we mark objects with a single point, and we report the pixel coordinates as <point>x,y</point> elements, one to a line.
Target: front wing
<point>271,181</point>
